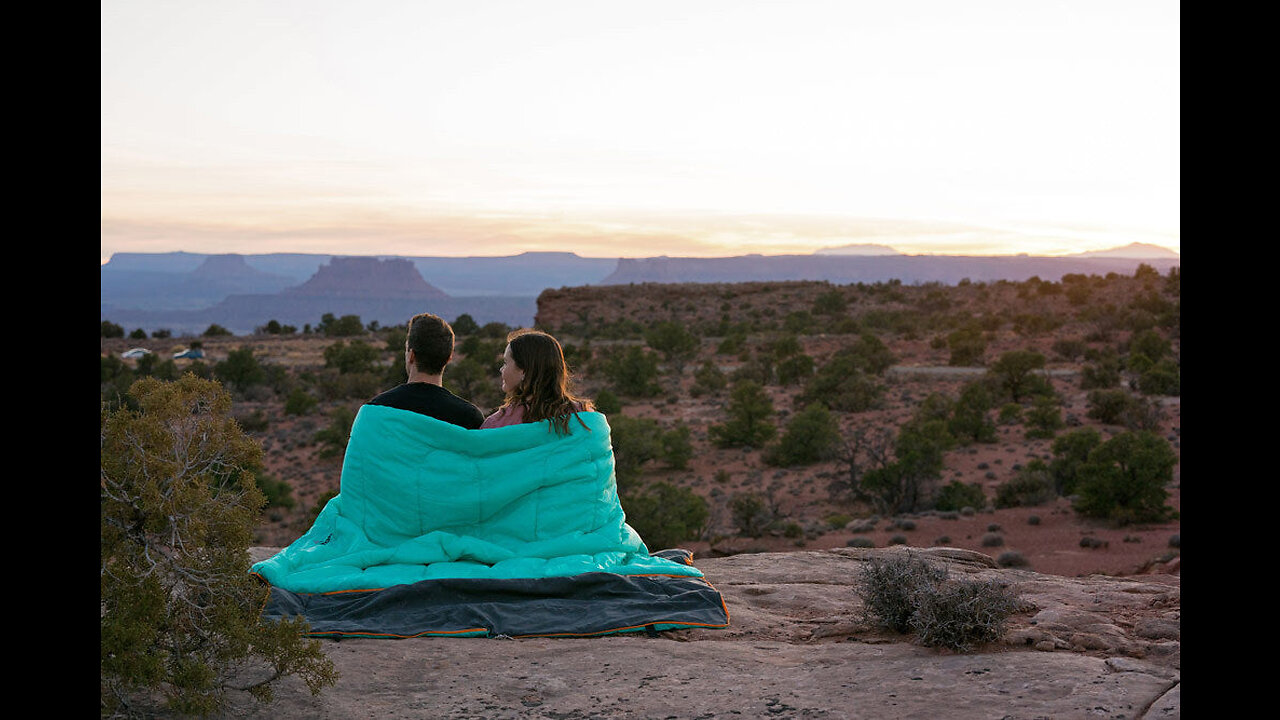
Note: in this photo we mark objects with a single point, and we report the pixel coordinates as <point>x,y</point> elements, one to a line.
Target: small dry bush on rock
<point>906,594</point>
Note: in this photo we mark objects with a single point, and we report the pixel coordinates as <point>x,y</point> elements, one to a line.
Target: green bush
<point>674,341</point>
<point>751,514</point>
<point>1070,452</point>
<point>1124,479</point>
<point>299,402</point>
<point>665,515</point>
<point>842,385</point>
<point>631,371</point>
<point>969,420</point>
<point>708,379</point>
<point>1110,406</point>
<point>635,442</point>
<point>1014,374</point>
<point>1032,485</point>
<point>345,326</point>
<point>811,435</point>
<point>358,356</point>
<point>179,611</point>
<point>1044,418</point>
<point>674,447</point>
<point>967,346</point>
<point>955,495</point>
<point>750,415</point>
<point>241,369</point>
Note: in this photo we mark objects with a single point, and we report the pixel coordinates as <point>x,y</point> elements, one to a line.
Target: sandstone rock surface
<point>1091,647</point>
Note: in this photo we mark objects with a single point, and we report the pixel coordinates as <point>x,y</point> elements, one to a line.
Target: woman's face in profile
<point>510,373</point>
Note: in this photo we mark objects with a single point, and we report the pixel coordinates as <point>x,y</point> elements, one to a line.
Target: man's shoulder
<point>431,400</point>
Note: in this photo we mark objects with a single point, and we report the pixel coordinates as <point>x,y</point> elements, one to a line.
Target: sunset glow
<point>616,129</point>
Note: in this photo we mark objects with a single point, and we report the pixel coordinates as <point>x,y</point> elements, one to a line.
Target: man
<point>428,347</point>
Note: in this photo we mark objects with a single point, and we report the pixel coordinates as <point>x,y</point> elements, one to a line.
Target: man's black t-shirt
<point>433,401</point>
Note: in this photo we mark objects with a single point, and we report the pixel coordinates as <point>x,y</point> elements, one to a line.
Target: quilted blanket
<point>439,530</point>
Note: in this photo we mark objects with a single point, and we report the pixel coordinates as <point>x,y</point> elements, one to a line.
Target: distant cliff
<point>368,277</point>
<point>844,269</point>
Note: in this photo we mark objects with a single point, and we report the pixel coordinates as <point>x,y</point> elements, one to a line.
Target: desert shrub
<point>750,414</point>
<point>179,611</point>
<point>751,513</point>
<point>215,330</point>
<point>674,447</point>
<point>333,439</point>
<point>1175,541</point>
<point>635,442</point>
<point>631,371</point>
<point>299,402</point>
<point>255,421</point>
<point>674,341</point>
<point>907,594</point>
<point>1010,413</point>
<point>1033,520</point>
<point>903,485</point>
<point>1011,558</point>
<point>1014,374</point>
<point>1124,479</point>
<point>860,542</point>
<point>345,326</point>
<point>1100,375</point>
<point>665,515</point>
<point>240,370</point>
<point>955,495</point>
<point>969,421</point>
<point>794,369</point>
<point>835,521</point>
<point>831,302</point>
<point>962,615</point>
<point>870,354</point>
<point>607,402</point>
<point>992,540</point>
<point>890,589</point>
<point>464,325</point>
<point>1070,452</point>
<point>1044,418</point>
<point>1032,485</point>
<point>1069,348</point>
<point>358,356</point>
<point>811,435</point>
<point>898,539</point>
<point>111,330</point>
<point>842,385</point>
<point>278,493</point>
<point>1110,406</point>
<point>967,345</point>
<point>1163,378</point>
<point>708,379</point>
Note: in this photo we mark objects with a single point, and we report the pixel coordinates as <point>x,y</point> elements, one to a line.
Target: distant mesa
<point>1135,251</point>
<point>858,249</point>
<point>368,277</point>
<point>229,267</point>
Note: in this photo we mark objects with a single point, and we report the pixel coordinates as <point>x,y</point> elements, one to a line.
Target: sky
<point>621,128</point>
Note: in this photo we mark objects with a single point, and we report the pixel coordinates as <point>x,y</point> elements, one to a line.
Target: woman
<point>536,382</point>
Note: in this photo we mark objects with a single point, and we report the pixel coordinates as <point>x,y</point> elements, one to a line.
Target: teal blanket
<point>422,499</point>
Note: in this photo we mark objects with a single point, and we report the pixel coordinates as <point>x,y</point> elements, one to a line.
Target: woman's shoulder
<point>503,416</point>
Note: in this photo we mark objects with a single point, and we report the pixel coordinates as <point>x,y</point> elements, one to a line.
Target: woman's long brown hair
<point>545,390</point>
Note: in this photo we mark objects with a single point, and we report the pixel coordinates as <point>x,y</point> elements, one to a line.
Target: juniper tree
<point>179,611</point>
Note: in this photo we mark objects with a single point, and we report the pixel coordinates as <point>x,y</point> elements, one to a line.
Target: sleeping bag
<point>513,531</point>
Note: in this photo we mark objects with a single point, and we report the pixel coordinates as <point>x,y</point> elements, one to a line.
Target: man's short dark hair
<point>431,340</point>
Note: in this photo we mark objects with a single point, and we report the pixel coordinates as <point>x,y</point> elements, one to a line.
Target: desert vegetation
<point>747,415</point>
